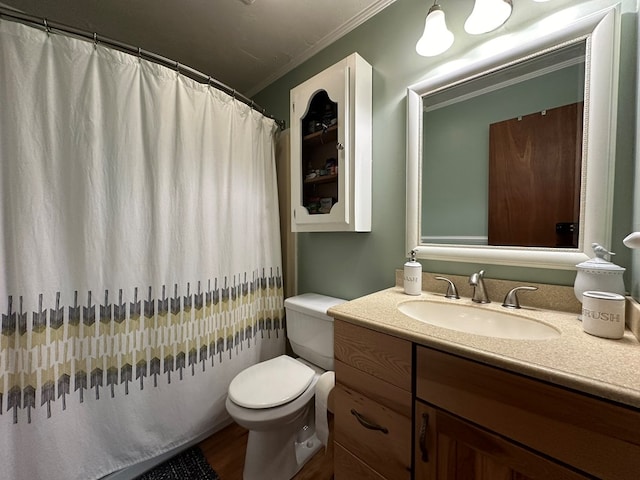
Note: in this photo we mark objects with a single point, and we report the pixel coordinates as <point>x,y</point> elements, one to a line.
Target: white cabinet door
<point>331,149</point>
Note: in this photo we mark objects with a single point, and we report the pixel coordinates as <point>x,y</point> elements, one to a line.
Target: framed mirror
<point>510,157</point>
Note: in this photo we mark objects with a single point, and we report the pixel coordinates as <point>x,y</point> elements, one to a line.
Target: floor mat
<point>188,465</point>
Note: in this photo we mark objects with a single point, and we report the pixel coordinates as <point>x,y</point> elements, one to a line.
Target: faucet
<point>476,280</point>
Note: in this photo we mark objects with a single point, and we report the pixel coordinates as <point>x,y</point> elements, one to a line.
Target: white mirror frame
<point>601,91</point>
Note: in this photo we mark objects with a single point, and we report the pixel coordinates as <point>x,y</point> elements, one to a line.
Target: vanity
<point>415,400</point>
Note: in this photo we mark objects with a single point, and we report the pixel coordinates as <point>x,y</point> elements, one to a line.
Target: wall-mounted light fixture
<point>436,38</point>
<point>487,15</point>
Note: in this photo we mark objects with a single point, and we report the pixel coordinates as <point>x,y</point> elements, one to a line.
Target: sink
<point>478,320</point>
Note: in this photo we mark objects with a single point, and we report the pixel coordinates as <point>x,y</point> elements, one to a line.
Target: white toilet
<point>274,399</point>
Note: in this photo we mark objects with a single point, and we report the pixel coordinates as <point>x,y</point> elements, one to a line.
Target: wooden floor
<point>225,453</point>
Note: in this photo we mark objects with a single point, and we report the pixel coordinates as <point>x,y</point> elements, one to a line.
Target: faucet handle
<point>511,298</point>
<point>452,291</point>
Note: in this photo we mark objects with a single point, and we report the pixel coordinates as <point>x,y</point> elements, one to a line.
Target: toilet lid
<point>270,383</point>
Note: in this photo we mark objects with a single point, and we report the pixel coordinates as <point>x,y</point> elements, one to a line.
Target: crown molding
<point>339,32</point>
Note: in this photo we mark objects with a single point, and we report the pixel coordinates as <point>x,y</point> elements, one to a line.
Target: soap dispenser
<point>412,275</point>
<point>598,274</point>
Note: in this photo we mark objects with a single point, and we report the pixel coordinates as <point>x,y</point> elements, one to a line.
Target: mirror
<point>517,135</point>
<point>464,183</point>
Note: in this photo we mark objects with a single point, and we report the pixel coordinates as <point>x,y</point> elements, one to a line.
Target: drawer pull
<point>367,424</point>
<point>423,437</point>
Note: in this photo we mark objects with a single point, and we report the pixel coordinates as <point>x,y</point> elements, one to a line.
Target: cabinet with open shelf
<point>331,149</point>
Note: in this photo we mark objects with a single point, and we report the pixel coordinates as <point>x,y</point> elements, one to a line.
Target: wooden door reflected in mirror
<point>534,179</point>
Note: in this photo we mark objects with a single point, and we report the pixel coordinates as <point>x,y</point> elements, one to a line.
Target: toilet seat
<point>270,383</point>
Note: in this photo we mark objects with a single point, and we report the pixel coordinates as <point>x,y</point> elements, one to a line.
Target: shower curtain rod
<point>196,75</point>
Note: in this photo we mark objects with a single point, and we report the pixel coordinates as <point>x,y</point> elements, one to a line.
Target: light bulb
<point>436,38</point>
<point>487,15</point>
<point>632,240</point>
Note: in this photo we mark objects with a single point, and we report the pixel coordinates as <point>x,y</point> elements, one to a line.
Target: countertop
<point>606,368</point>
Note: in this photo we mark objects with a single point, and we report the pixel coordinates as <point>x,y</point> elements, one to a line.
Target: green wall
<point>634,284</point>
<point>349,265</point>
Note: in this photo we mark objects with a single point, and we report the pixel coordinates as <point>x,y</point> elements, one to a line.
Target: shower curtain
<point>140,264</point>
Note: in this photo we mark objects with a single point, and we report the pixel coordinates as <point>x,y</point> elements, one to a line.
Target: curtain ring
<point>178,67</point>
<point>233,94</point>
<point>139,53</point>
<point>46,26</point>
<point>95,40</point>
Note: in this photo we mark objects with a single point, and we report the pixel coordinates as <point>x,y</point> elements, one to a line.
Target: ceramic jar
<point>598,274</point>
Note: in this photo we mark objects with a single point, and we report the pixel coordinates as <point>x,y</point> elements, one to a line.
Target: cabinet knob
<point>339,146</point>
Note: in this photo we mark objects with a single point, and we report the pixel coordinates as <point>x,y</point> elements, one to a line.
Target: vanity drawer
<point>381,392</point>
<point>382,356</point>
<point>349,467</point>
<point>358,425</point>
<point>595,436</point>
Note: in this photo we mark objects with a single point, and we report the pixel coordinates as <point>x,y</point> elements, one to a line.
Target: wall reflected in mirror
<point>502,155</point>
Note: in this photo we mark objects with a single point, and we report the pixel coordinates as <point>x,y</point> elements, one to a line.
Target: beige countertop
<point>602,367</point>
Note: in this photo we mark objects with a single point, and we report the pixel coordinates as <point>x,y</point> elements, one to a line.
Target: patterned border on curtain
<point>140,253</point>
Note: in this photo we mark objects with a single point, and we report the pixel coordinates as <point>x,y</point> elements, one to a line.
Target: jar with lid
<point>599,274</point>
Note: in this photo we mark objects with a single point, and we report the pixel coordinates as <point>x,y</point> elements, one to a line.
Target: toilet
<point>274,399</point>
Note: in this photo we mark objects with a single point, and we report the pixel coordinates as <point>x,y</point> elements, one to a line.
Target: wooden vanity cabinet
<point>372,405</point>
<point>448,447</point>
<point>474,421</point>
<point>466,420</point>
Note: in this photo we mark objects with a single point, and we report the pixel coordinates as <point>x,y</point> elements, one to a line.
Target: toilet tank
<point>310,329</point>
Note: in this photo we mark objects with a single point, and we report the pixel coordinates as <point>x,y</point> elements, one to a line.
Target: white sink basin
<point>478,320</point>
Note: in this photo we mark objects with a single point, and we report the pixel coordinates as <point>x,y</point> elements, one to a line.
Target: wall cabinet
<point>372,405</point>
<point>331,149</point>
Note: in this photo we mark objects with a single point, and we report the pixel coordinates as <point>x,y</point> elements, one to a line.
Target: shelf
<point>322,179</point>
<point>321,136</point>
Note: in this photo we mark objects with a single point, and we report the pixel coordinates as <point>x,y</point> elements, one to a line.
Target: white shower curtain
<point>140,264</point>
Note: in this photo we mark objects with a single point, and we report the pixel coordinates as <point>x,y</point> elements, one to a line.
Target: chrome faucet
<point>476,280</point>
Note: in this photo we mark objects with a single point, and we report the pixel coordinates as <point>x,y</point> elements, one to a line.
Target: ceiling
<point>245,44</point>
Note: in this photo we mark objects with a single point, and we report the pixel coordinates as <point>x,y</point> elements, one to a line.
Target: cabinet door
<point>331,149</point>
<point>319,148</point>
<point>448,447</point>
<point>593,435</point>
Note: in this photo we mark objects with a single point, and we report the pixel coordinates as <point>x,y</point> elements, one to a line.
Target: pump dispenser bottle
<point>412,275</point>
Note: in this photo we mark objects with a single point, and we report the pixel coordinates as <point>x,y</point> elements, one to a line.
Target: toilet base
<point>280,454</point>
<point>307,449</point>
